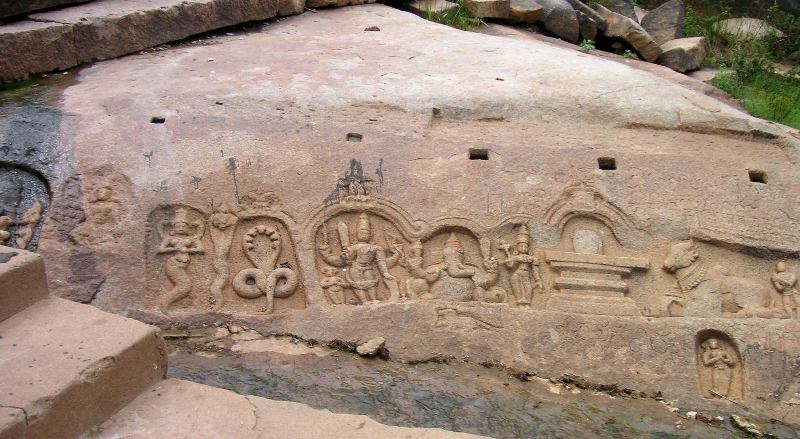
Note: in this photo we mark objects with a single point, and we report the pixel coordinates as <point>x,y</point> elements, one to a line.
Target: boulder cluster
<point>656,35</point>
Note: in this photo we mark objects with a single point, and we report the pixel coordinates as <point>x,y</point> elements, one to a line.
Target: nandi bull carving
<point>262,245</point>
<point>709,292</point>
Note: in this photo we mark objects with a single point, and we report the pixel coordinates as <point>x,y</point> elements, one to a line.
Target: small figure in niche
<point>721,364</point>
<point>333,285</point>
<point>785,283</point>
<point>524,266</point>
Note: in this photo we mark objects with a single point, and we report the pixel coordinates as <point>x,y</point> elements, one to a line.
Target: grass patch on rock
<point>458,17</point>
<point>748,66</point>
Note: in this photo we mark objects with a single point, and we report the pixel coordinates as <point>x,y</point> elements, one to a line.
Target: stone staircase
<point>70,370</point>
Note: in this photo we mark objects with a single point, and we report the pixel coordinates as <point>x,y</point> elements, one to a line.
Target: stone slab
<point>525,11</point>
<point>101,30</point>
<point>32,47</point>
<point>175,408</point>
<point>70,366</point>
<point>684,54</point>
<point>12,423</point>
<point>620,26</point>
<point>335,3</point>
<point>22,280</point>
<point>10,8</point>
<point>488,8</point>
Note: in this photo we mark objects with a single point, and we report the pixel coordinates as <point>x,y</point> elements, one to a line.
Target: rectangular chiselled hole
<point>607,163</point>
<point>757,176</point>
<point>158,119</point>
<point>478,154</point>
<point>354,137</point>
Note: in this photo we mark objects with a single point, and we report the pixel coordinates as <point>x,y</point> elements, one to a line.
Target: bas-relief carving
<point>250,241</point>
<point>719,365</point>
<point>713,292</point>
<point>107,196</point>
<point>24,200</point>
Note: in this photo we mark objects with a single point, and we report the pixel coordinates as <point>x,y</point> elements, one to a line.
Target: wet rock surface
<point>452,394</point>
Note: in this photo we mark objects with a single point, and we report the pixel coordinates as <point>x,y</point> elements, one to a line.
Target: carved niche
<point>237,258</point>
<point>24,201</point>
<point>720,367</point>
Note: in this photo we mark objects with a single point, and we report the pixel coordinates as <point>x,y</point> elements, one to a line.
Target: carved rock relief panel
<point>585,256</point>
<point>233,258</point>
<point>107,198</point>
<point>24,201</point>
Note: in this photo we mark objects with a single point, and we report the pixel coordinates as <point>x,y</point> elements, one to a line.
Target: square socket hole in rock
<point>158,119</point>
<point>607,163</point>
<point>478,154</point>
<point>757,176</point>
<point>354,137</point>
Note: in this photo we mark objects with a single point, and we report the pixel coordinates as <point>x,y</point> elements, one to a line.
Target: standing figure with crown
<point>182,238</point>
<point>366,263</point>
<point>524,267</point>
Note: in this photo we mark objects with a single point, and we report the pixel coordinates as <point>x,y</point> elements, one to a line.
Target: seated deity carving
<point>463,282</point>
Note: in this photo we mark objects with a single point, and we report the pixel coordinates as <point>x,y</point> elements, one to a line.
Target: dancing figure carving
<point>181,238</point>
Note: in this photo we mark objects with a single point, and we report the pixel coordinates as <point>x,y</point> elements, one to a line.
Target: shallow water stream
<point>459,397</point>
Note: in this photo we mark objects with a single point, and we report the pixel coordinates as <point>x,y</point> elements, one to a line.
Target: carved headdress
<point>181,216</point>
<point>522,234</point>
<point>416,245</point>
<point>363,222</point>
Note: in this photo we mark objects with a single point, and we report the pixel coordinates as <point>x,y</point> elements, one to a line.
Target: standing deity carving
<point>525,276</point>
<point>785,283</point>
<point>222,222</point>
<point>333,285</point>
<point>366,263</point>
<point>720,365</point>
<point>181,238</point>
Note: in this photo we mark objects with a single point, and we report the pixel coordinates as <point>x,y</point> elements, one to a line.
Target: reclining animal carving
<point>262,246</point>
<point>739,297</point>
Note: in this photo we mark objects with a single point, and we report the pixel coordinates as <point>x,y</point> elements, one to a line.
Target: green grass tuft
<point>458,18</point>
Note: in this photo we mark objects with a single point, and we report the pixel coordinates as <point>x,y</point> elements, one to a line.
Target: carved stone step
<point>65,367</point>
<point>175,408</point>
<point>22,280</point>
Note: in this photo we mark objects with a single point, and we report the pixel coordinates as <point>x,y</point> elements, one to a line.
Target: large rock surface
<point>622,7</point>
<point>684,54</point>
<point>450,133</point>
<point>559,19</point>
<point>746,28</point>
<point>619,26</point>
<point>665,23</point>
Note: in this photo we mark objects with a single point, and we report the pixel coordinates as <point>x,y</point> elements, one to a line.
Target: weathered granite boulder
<point>587,26</point>
<point>665,23</point>
<point>684,54</point>
<point>622,7</point>
<point>525,11</point>
<point>559,18</point>
<point>747,28</point>
<point>640,13</point>
<point>371,348</point>
<point>422,7</point>
<point>488,8</point>
<point>10,8</point>
<point>579,6</point>
<point>631,32</point>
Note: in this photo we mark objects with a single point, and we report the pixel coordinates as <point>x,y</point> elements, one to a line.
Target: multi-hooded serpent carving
<point>262,245</point>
